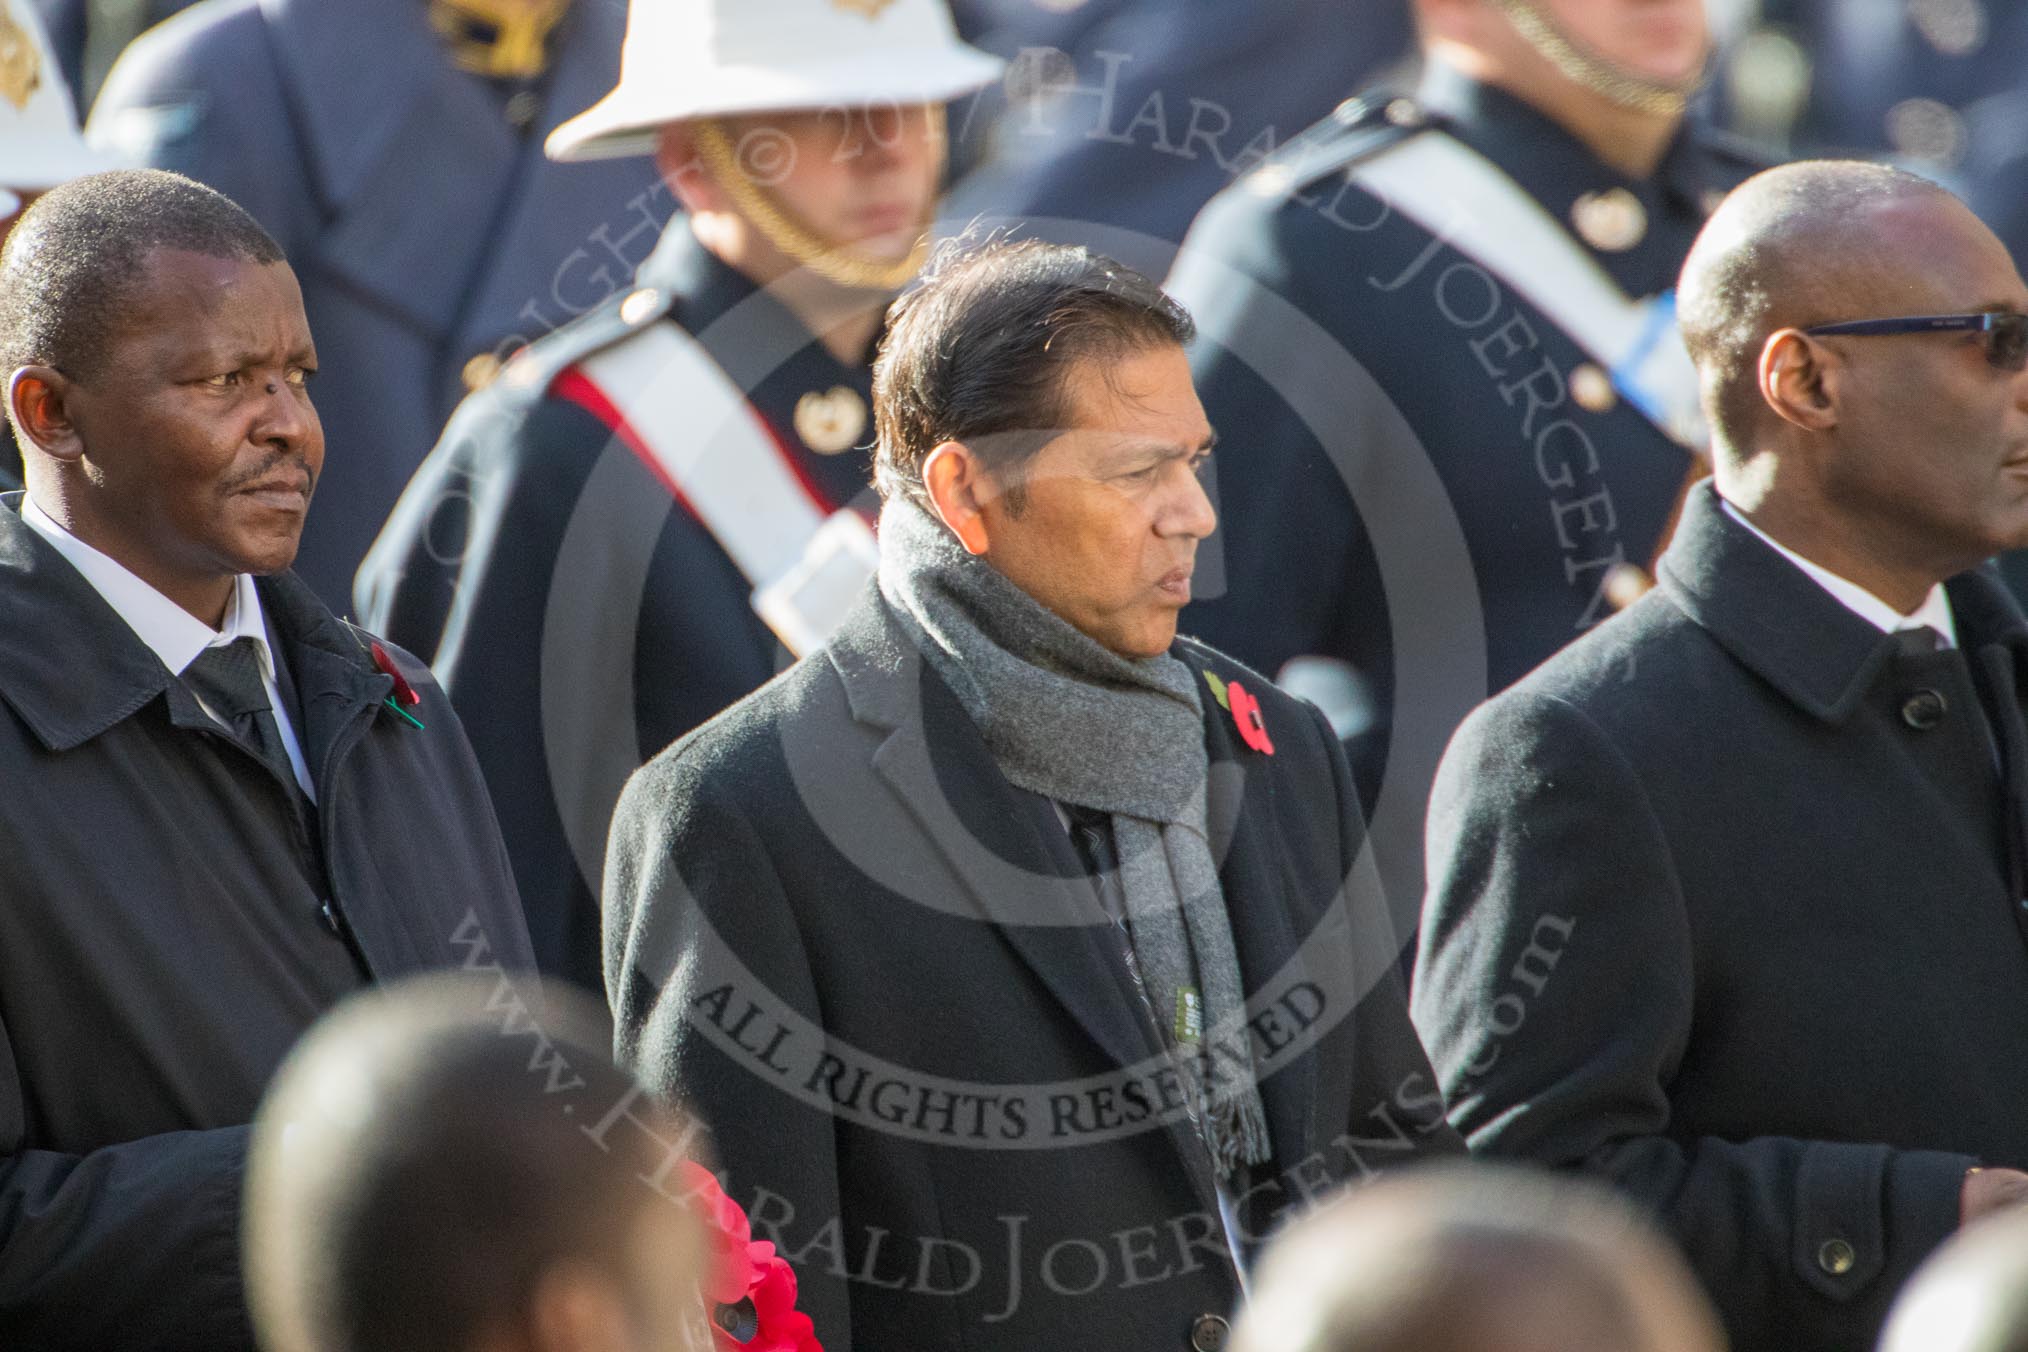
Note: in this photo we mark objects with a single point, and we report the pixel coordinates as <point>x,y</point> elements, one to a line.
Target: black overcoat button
<point>1923,710</point>
<point>1209,1333</point>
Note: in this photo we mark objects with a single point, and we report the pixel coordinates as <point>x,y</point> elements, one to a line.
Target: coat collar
<point>747,331</point>
<point>87,670</point>
<point>1773,618</point>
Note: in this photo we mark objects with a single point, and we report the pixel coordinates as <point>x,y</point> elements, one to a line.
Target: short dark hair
<point>71,262</point>
<point>427,1155</point>
<point>978,352</point>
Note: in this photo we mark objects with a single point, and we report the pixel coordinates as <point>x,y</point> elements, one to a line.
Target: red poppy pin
<point>751,1288</point>
<point>404,693</point>
<point>1245,711</point>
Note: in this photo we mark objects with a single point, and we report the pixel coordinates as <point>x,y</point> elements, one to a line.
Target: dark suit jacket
<point>882,974</point>
<point>1725,905</point>
<point>170,923</point>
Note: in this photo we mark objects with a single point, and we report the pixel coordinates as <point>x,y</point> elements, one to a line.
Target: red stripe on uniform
<point>575,387</point>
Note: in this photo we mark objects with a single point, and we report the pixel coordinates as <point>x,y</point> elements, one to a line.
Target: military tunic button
<point>1923,710</point>
<point>636,308</point>
<point>1626,583</point>
<point>1405,113</point>
<point>1593,389</point>
<point>1836,1257</point>
<point>1612,221</point>
<point>479,372</point>
<point>522,108</point>
<point>1208,1333</point>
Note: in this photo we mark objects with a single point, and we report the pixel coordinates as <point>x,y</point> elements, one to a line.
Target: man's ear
<point>576,1308</point>
<point>677,159</point>
<point>958,490</point>
<point>39,398</point>
<point>1800,380</point>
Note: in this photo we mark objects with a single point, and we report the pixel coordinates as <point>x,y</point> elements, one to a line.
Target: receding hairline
<point>1801,229</point>
<point>1796,246</point>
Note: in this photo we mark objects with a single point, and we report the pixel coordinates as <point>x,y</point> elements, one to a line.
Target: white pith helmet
<point>722,58</point>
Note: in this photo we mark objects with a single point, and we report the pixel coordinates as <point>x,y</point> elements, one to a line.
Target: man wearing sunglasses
<point>1728,901</point>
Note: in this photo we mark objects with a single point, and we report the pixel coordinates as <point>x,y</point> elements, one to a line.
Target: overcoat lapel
<point>341,691</point>
<point>1016,861</point>
<point>995,840</point>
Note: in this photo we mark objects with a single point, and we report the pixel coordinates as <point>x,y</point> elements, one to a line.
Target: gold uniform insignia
<point>500,39</point>
<point>831,423</point>
<point>869,8</point>
<point>1612,221</point>
<point>20,63</point>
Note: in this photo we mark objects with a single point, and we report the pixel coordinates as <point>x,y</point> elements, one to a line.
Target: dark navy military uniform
<point>578,612</point>
<point>1936,88</point>
<point>412,198</point>
<point>1387,405</point>
<point>1142,110</point>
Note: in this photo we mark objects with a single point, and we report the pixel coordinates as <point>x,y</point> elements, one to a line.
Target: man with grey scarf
<point>1023,957</point>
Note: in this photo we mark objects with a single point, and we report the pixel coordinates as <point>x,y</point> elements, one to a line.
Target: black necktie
<point>228,679</point>
<point>1919,640</point>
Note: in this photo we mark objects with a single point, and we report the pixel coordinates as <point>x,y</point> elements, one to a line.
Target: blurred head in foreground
<point>437,1169</point>
<point>1971,1296</point>
<point>1476,1258</point>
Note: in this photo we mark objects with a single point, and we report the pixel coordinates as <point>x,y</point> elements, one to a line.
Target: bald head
<point>1476,1258</point>
<point>1807,243</point>
<point>1971,1296</point>
<point>421,1179</point>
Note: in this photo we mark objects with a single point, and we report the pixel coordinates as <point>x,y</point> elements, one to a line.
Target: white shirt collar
<point>173,633</point>
<point>1935,610</point>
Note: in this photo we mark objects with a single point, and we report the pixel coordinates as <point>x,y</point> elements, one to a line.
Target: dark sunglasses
<point>2005,334</point>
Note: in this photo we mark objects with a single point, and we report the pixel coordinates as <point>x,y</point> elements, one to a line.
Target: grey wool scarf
<point>1068,718</point>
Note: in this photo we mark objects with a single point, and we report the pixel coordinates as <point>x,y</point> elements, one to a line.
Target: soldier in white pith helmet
<point>682,472</point>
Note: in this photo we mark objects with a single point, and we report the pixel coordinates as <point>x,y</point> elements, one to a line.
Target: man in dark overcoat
<point>224,808</point>
<point>1727,900</point>
<point>1023,957</point>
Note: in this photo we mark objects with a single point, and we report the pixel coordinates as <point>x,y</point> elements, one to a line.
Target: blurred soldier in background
<point>1439,336</point>
<point>1934,85</point>
<point>39,143</point>
<point>1133,113</point>
<point>394,147</point>
<point>620,536</point>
